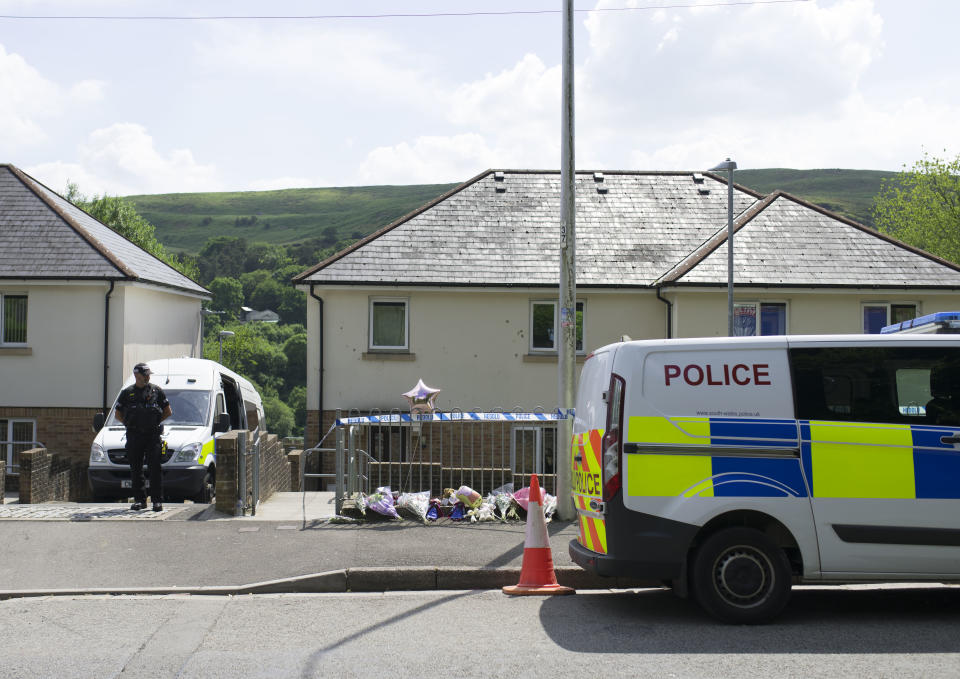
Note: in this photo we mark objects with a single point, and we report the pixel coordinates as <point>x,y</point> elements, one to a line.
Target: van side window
<point>897,385</point>
<point>253,419</point>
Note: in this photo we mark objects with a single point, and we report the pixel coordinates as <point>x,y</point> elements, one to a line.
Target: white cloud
<point>765,60</point>
<point>429,160</point>
<point>527,91</point>
<point>27,98</point>
<point>88,91</point>
<point>122,159</point>
<point>347,65</point>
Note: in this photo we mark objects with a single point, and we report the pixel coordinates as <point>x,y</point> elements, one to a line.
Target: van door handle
<point>950,439</point>
<point>578,458</point>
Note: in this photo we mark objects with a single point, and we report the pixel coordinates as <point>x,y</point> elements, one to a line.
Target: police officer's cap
<point>142,368</point>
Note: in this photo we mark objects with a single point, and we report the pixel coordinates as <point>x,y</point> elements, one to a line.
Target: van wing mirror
<point>98,421</point>
<point>221,423</point>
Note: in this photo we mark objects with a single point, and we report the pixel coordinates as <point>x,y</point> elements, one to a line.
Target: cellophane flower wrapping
<point>381,501</point>
<point>416,504</point>
<point>549,506</point>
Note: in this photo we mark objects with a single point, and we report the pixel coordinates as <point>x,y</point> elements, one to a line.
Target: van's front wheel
<point>741,576</point>
<point>206,494</point>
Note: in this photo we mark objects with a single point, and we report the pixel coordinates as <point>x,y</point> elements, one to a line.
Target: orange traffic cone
<point>536,574</point>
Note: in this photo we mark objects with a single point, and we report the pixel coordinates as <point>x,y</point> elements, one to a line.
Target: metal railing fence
<point>413,453</point>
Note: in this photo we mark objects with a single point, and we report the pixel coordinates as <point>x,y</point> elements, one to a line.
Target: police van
<point>732,468</point>
<point>206,400</point>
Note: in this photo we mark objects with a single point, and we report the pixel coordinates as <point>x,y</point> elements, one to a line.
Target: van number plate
<point>128,483</point>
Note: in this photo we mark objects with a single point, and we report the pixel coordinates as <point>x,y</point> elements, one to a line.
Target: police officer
<point>141,408</point>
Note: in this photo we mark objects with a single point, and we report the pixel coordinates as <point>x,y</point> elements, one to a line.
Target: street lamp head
<point>226,333</point>
<point>725,165</point>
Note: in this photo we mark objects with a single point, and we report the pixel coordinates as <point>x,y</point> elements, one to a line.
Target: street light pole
<point>729,166</point>
<point>224,333</point>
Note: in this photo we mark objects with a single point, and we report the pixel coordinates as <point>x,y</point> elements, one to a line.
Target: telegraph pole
<point>568,278</point>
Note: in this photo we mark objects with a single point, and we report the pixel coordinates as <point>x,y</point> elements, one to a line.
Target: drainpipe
<point>106,344</point>
<point>669,313</point>
<point>320,344</point>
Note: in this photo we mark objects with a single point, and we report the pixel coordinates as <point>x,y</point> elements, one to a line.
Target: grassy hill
<point>184,221</point>
<point>846,192</point>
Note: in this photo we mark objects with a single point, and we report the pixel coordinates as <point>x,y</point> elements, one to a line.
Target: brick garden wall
<point>49,477</point>
<point>66,431</point>
<point>275,472</point>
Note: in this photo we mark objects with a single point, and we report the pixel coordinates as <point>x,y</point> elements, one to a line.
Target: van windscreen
<point>190,407</point>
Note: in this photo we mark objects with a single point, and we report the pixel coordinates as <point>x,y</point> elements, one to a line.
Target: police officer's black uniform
<point>142,409</point>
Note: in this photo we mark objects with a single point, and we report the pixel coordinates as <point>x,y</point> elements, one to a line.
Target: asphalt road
<point>826,632</point>
<point>64,554</point>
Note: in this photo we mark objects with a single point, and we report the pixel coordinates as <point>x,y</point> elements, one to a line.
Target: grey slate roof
<point>44,236</point>
<point>645,229</point>
<point>477,235</point>
<point>785,241</point>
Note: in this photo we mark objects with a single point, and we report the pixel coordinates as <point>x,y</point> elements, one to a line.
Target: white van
<point>731,468</point>
<point>206,400</point>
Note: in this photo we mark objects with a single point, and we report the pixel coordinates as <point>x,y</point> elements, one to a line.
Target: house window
<point>13,319</point>
<point>16,436</point>
<point>389,324</point>
<point>545,328</point>
<point>759,318</point>
<point>878,314</point>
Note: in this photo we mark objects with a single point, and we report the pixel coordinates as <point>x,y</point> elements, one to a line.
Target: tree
<point>280,417</point>
<point>222,256</point>
<point>298,403</point>
<point>251,280</point>
<point>227,295</point>
<point>265,256</point>
<point>267,295</point>
<point>295,349</point>
<point>921,206</point>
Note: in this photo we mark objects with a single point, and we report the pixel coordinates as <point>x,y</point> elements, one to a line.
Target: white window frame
<point>406,324</point>
<point>757,303</point>
<point>7,442</point>
<point>3,317</point>
<point>581,304</point>
<point>888,306</point>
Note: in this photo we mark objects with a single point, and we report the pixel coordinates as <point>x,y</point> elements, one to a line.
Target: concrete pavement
<point>289,546</point>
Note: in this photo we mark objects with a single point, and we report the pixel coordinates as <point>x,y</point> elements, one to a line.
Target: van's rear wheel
<point>741,576</point>
<point>207,490</point>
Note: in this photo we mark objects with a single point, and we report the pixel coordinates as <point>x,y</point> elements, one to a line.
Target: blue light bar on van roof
<point>938,320</point>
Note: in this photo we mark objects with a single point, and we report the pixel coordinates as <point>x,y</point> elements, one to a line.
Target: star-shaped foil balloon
<point>421,398</point>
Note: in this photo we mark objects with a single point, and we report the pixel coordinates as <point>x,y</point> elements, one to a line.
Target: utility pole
<point>568,276</point>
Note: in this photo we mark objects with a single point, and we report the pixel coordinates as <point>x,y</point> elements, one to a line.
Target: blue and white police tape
<point>400,418</point>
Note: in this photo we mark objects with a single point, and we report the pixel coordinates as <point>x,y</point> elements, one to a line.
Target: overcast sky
<point>162,105</point>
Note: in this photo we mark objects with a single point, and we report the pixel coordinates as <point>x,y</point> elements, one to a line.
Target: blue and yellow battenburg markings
<point>692,475</point>
<point>837,459</point>
<point>886,461</point>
